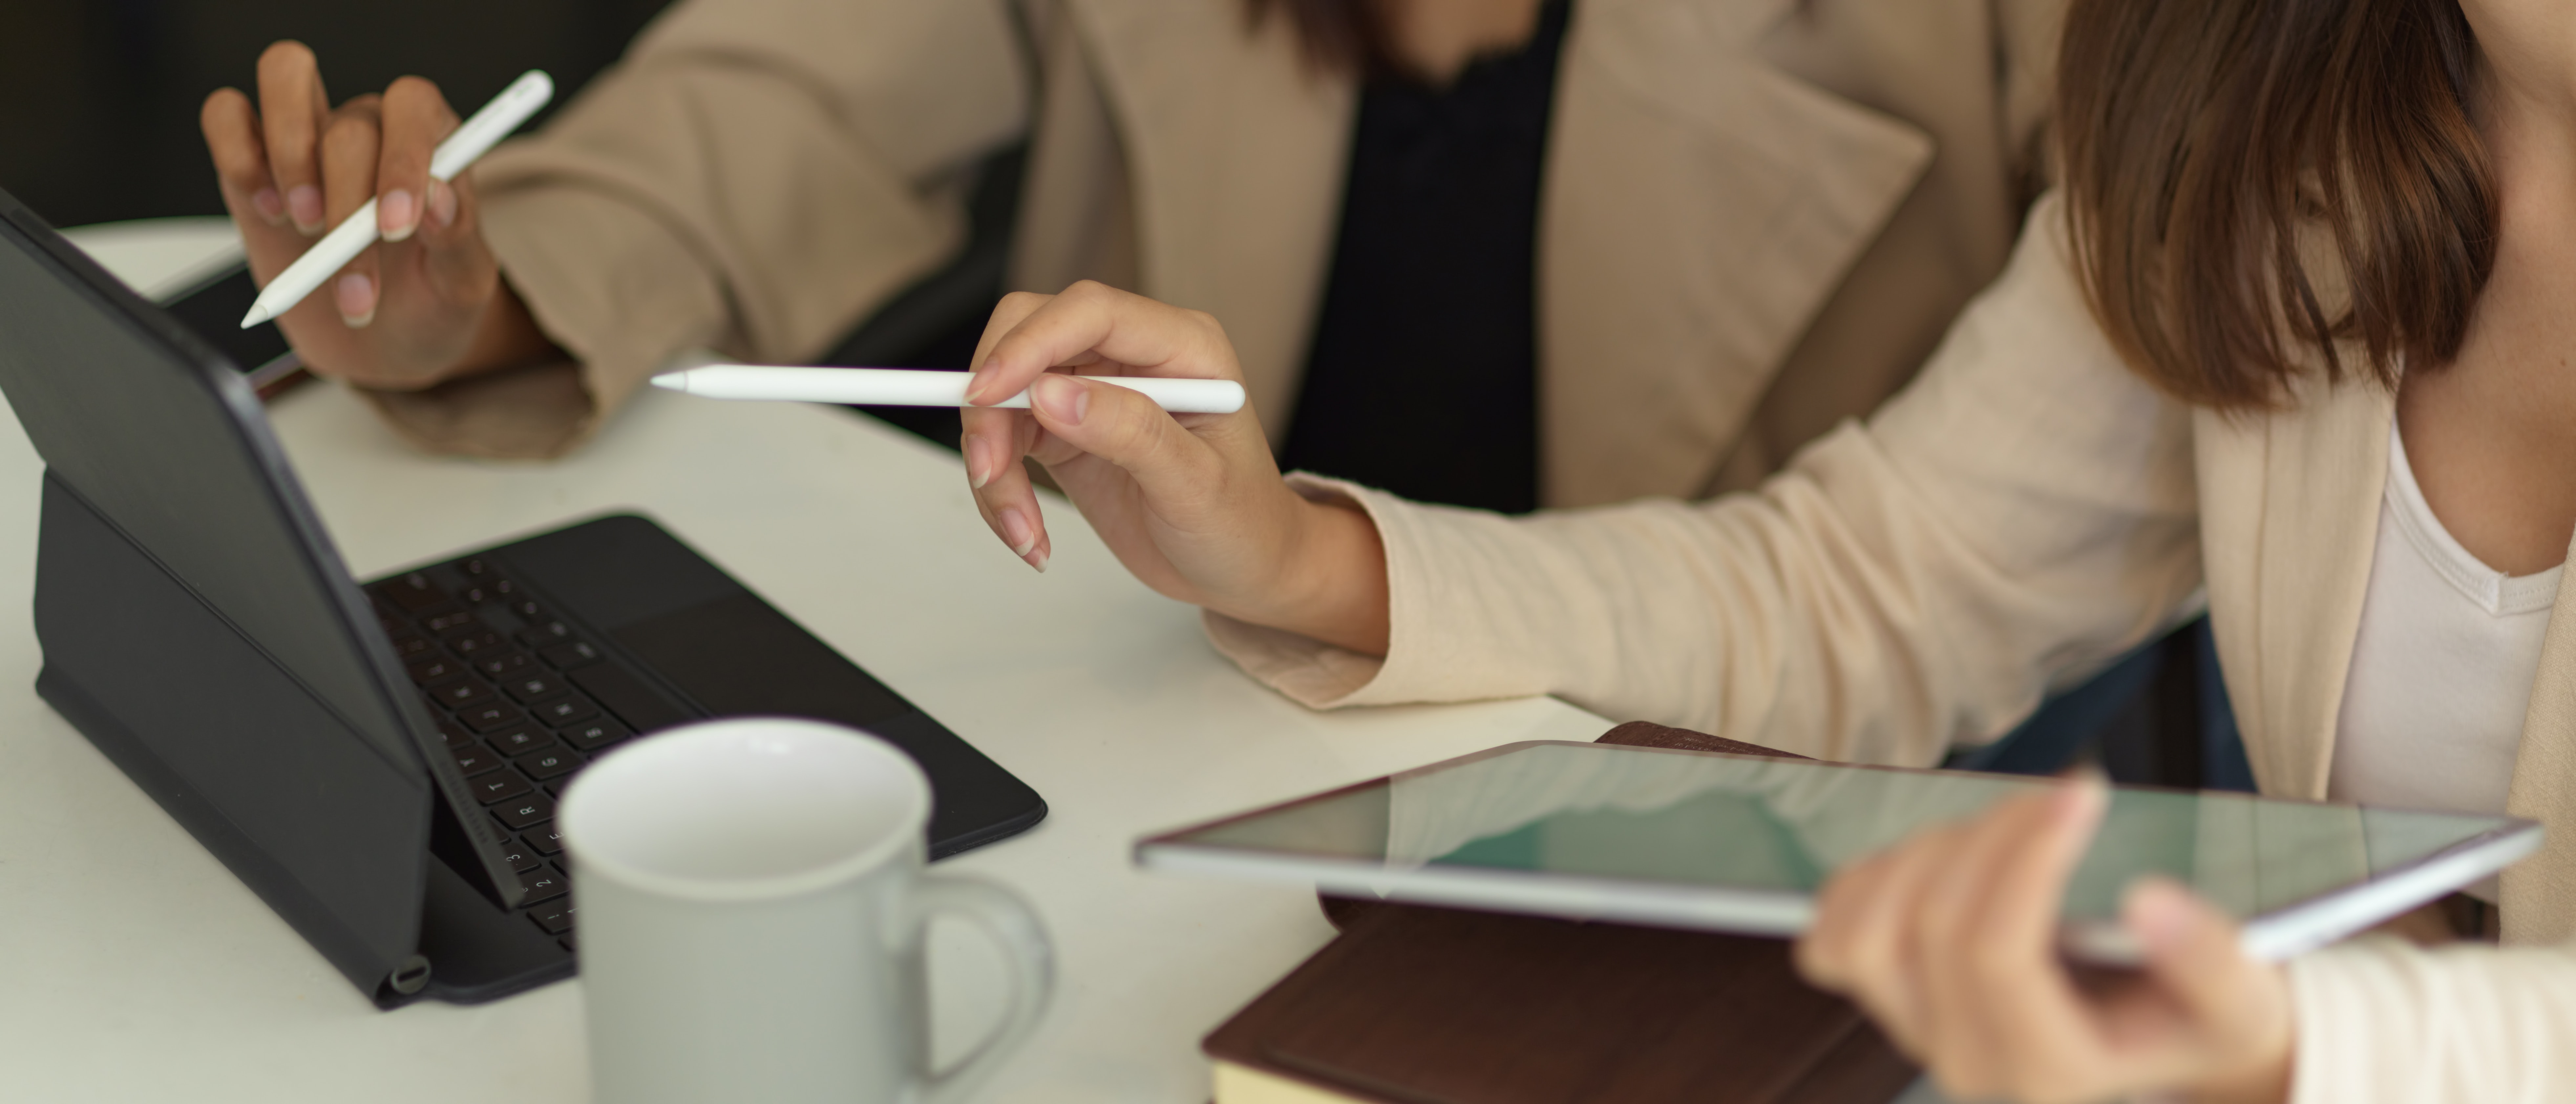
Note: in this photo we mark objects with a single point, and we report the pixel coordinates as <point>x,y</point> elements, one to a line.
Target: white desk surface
<point>134,967</point>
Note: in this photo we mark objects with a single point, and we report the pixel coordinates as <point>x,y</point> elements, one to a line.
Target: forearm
<point>2382,1021</point>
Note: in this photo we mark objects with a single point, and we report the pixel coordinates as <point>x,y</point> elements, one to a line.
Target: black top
<point>1424,374</point>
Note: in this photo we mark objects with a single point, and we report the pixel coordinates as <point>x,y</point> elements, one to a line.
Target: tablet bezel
<point>2273,935</point>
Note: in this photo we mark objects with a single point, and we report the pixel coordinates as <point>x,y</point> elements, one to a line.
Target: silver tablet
<point>1741,843</point>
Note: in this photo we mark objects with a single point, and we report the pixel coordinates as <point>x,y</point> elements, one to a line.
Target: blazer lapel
<point>2307,485</point>
<point>1238,150</point>
<point>1700,206</point>
<point>2540,892</point>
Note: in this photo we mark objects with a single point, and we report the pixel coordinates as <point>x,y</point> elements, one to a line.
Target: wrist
<point>506,336</point>
<point>1332,576</point>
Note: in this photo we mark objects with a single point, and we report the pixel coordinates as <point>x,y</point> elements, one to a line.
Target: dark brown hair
<point>2257,185</point>
<point>1335,35</point>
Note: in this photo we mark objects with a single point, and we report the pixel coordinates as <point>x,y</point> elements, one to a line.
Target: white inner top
<point>2441,669</point>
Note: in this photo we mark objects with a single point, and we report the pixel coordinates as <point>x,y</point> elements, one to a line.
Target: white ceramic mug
<point>752,905</point>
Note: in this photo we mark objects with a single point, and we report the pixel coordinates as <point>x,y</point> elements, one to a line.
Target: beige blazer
<point>1758,216</point>
<point>2024,511</point>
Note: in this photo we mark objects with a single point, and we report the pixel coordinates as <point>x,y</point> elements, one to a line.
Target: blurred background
<point>98,98</point>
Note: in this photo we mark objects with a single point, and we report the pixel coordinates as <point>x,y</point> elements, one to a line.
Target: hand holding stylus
<point>424,304</point>
<point>1192,503</point>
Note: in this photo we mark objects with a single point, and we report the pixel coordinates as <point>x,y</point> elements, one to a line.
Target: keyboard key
<point>547,634</point>
<point>487,718</point>
<point>472,642</point>
<point>570,710</point>
<point>476,760</point>
<point>565,657</point>
<point>534,688</point>
<point>484,592</point>
<point>461,692</point>
<point>567,943</point>
<point>506,665</point>
<point>522,858</point>
<point>500,786</point>
<point>544,885</point>
<point>547,840</point>
<point>520,739</point>
<point>412,593</point>
<point>554,763</point>
<point>594,734</point>
<point>476,567</point>
<point>439,621</point>
<point>410,646</point>
<point>433,669</point>
<point>527,812</point>
<point>555,918</point>
<point>455,735</point>
<point>528,610</point>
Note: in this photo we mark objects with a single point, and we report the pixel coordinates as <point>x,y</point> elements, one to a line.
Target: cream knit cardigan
<point>2025,511</point>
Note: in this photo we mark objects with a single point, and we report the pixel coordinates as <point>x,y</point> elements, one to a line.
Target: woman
<point>1680,236</point>
<point>2295,332</point>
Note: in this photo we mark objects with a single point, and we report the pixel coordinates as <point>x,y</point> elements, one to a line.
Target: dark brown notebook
<point>1419,1005</point>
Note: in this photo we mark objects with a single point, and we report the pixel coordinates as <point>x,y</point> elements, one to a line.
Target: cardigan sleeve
<point>2020,515</point>
<point>754,177</point>
<point>2380,1020</point>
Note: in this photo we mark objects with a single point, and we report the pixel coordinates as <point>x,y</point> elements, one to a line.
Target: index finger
<point>1093,322</point>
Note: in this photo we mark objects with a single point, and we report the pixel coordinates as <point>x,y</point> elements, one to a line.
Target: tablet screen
<point>1784,825</point>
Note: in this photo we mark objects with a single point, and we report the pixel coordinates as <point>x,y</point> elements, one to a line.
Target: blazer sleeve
<point>2380,1020</point>
<point>2019,516</point>
<point>753,177</point>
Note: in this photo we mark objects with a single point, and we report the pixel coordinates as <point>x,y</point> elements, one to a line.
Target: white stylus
<point>920,387</point>
<point>471,140</point>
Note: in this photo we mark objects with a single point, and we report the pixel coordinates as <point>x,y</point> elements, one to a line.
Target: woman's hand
<point>1949,942</point>
<point>425,304</point>
<point>1191,503</point>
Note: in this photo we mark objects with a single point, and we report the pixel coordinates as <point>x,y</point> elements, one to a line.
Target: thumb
<point>2237,1010</point>
<point>2192,950</point>
<point>1127,429</point>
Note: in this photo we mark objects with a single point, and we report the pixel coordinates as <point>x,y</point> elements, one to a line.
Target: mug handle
<point>1009,922</point>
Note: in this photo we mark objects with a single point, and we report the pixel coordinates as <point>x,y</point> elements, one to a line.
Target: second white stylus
<point>919,387</point>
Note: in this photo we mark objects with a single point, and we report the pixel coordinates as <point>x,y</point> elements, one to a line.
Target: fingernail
<point>976,380</point>
<point>1060,397</point>
<point>442,204</point>
<point>1038,559</point>
<point>979,469</point>
<point>1015,529</point>
<point>2158,913</point>
<point>304,204</point>
<point>271,209</point>
<point>2080,797</point>
<point>357,300</point>
<point>397,214</point>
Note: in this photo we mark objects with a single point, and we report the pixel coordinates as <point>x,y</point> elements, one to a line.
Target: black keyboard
<point>517,693</point>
